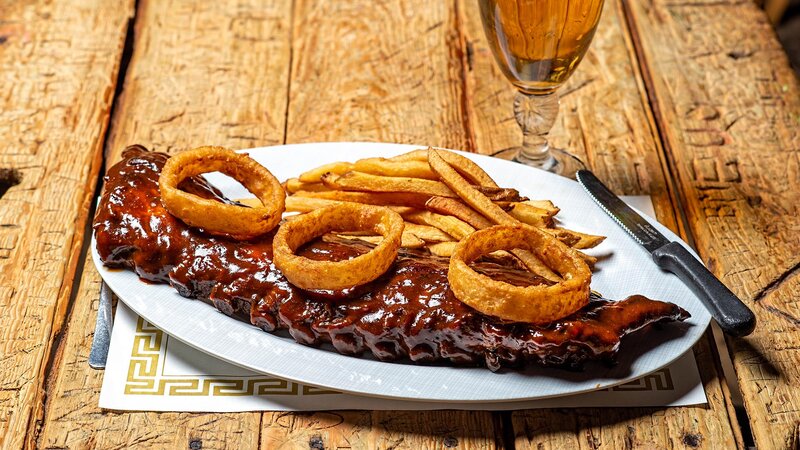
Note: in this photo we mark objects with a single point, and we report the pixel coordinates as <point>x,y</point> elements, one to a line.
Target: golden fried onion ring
<point>336,275</point>
<point>215,217</point>
<point>538,304</point>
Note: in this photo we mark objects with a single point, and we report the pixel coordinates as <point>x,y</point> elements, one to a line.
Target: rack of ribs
<point>408,313</point>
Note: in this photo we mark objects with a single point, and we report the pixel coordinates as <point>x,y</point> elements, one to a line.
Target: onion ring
<point>538,304</point>
<point>336,275</point>
<point>237,221</point>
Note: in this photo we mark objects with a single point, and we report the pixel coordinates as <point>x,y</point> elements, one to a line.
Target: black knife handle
<point>733,316</point>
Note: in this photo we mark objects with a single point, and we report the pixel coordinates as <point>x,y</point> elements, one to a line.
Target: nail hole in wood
<point>315,442</point>
<point>450,442</point>
<point>8,178</point>
<point>195,444</point>
<point>692,440</point>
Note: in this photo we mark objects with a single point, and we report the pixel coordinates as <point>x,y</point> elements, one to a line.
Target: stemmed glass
<point>538,44</point>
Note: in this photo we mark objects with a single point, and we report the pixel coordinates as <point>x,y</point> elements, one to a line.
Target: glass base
<point>560,162</point>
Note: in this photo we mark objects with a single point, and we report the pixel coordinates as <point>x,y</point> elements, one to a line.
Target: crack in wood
<point>782,313</point>
<point>777,282</point>
<point>463,49</point>
<point>8,179</point>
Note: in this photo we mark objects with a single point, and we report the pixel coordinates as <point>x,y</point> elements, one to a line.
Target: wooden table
<point>692,102</point>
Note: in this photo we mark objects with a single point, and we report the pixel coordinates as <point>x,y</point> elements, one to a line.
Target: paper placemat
<point>149,371</point>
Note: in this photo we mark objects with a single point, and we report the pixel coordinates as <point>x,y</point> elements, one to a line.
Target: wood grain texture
<point>58,67</point>
<point>206,73</point>
<point>604,119</point>
<point>382,71</point>
<point>728,106</point>
<point>366,430</point>
<point>201,73</point>
<point>385,70</point>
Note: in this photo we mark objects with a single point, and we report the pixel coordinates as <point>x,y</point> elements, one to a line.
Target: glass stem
<point>536,115</point>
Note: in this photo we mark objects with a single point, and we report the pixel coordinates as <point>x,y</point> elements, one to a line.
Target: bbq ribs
<point>409,312</point>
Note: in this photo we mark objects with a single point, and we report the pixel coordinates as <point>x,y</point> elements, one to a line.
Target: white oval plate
<point>626,269</point>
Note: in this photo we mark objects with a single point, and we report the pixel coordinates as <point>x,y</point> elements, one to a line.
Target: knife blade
<point>733,316</point>
<point>101,340</point>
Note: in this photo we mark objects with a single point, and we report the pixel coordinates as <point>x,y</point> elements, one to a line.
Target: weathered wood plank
<point>380,429</point>
<point>379,71</point>
<point>206,73</point>
<point>728,107</point>
<point>201,73</point>
<point>58,68</point>
<point>384,70</point>
<point>605,120</point>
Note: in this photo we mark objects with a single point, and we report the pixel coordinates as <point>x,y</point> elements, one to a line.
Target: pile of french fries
<point>435,217</point>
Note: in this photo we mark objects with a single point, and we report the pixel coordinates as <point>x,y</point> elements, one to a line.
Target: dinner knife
<point>733,316</point>
<point>102,330</point>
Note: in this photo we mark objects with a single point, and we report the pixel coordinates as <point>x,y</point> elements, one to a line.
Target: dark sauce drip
<point>409,312</point>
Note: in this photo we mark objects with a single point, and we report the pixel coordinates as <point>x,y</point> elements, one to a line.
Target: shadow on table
<point>396,429</point>
<point>754,356</point>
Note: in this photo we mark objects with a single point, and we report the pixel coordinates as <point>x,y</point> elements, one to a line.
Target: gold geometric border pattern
<point>143,378</point>
<point>660,380</point>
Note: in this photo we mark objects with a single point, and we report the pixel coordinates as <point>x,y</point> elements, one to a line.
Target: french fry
<point>293,185</point>
<point>389,168</point>
<point>329,180</point>
<point>444,249</point>
<point>371,198</point>
<point>536,265</point>
<point>427,233</point>
<point>408,240</point>
<point>365,182</point>
<point>449,224</point>
<point>414,155</point>
<point>314,175</point>
<point>443,196</point>
<point>566,238</point>
<point>497,194</point>
<point>468,169</point>
<point>575,239</point>
<point>546,205</point>
<point>468,194</point>
<point>306,204</point>
<point>358,181</point>
<point>489,210</point>
<point>295,203</point>
<point>531,215</point>
<point>403,210</point>
<point>453,207</point>
<point>465,166</point>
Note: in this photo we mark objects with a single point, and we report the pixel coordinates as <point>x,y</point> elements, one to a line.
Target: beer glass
<point>538,44</point>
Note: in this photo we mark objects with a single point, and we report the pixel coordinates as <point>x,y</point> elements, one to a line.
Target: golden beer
<point>539,43</point>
